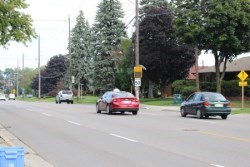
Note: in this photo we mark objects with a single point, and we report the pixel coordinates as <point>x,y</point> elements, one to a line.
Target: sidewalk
<point>31,159</point>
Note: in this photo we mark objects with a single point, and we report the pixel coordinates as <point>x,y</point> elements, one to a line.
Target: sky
<point>50,20</point>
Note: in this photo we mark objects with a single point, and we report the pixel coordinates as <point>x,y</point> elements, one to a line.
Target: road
<point>75,135</point>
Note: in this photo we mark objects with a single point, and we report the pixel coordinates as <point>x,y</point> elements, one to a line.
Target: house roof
<point>234,66</point>
<point>192,72</point>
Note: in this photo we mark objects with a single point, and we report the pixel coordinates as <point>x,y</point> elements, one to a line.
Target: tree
<point>123,77</point>
<point>109,29</point>
<point>165,58</point>
<point>80,50</point>
<point>15,25</point>
<point>9,79</point>
<point>1,75</point>
<point>52,76</point>
<point>221,26</point>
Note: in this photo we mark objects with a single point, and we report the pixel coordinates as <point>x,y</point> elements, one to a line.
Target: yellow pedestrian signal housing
<point>138,72</point>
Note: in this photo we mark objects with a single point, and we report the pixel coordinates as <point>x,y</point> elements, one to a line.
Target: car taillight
<point>229,104</point>
<point>116,100</point>
<point>206,104</point>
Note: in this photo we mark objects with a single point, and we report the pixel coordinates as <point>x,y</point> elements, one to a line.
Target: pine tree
<point>80,50</point>
<point>108,29</point>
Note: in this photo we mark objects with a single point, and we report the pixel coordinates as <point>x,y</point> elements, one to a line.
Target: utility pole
<point>137,88</point>
<point>70,64</point>
<point>17,91</point>
<point>39,70</point>
<point>196,50</point>
<point>23,78</point>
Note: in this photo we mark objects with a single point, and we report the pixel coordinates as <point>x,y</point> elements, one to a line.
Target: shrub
<point>228,88</point>
<point>179,85</point>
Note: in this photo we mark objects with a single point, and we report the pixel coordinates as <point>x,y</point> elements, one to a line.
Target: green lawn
<point>236,105</point>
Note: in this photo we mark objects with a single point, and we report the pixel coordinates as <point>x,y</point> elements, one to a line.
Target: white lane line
<point>46,114</point>
<point>216,165</point>
<point>125,138</point>
<point>29,109</point>
<point>75,123</point>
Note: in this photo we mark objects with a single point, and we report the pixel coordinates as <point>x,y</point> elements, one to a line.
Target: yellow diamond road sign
<point>242,75</point>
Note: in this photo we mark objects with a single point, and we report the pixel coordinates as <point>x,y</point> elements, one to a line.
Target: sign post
<point>137,76</point>
<point>242,76</point>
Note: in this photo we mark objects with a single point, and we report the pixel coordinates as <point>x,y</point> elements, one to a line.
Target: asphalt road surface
<point>75,135</point>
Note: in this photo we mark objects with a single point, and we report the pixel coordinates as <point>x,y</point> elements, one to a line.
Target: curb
<point>31,158</point>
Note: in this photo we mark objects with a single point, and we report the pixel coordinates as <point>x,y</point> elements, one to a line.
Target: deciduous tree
<point>221,26</point>
<point>15,24</point>
<point>165,58</point>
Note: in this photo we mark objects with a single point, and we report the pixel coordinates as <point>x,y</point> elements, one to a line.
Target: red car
<point>117,101</point>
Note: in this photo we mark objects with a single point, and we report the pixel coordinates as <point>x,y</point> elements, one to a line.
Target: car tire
<point>56,102</point>
<point>199,114</point>
<point>67,102</point>
<point>183,113</point>
<point>224,116</point>
<point>108,110</point>
<point>97,109</point>
<point>135,112</point>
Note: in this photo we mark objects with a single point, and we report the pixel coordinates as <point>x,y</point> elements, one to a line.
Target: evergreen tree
<point>123,77</point>
<point>108,29</point>
<point>80,50</point>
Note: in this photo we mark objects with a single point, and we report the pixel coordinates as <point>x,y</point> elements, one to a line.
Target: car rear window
<point>66,92</point>
<point>123,94</point>
<point>214,97</point>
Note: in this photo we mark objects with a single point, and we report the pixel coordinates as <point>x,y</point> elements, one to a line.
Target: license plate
<point>218,105</point>
<point>126,102</point>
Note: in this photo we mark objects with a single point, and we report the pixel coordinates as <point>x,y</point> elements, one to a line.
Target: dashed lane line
<point>122,137</point>
<point>75,123</point>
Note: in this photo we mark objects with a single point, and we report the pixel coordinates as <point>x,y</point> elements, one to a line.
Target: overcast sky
<point>50,20</point>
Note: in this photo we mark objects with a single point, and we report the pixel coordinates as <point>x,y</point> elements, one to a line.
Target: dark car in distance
<point>117,101</point>
<point>205,104</point>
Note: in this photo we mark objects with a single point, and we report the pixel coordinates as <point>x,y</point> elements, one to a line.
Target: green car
<point>205,104</point>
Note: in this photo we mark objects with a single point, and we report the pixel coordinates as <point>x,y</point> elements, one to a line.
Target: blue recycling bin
<point>177,98</point>
<point>11,157</point>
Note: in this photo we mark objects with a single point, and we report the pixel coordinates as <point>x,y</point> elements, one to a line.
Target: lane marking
<point>227,137</point>
<point>216,165</point>
<point>29,109</point>
<point>125,138</point>
<point>46,114</point>
<point>75,123</point>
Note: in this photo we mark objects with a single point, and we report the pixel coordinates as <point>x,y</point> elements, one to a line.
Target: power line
<point>131,2</point>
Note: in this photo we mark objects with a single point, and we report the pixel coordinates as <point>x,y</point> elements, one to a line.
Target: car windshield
<point>214,97</point>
